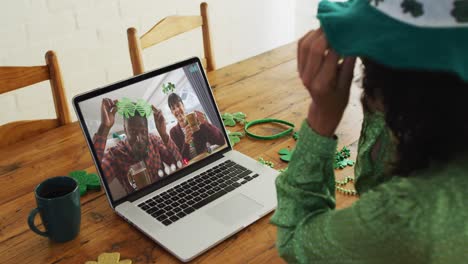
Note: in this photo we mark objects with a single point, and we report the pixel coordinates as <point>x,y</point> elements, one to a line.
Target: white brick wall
<point>90,39</point>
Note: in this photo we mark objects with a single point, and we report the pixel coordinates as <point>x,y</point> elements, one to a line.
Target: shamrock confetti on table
<point>232,119</point>
<point>234,137</point>
<point>110,258</point>
<point>86,181</point>
<point>296,135</point>
<point>266,162</point>
<point>341,158</point>
<point>286,154</point>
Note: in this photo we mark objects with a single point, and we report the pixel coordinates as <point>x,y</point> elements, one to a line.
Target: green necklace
<point>342,190</point>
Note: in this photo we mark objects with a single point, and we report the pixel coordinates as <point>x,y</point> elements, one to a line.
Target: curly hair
<point>426,111</point>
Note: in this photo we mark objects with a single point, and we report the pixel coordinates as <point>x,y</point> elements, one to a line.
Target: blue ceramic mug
<point>58,203</point>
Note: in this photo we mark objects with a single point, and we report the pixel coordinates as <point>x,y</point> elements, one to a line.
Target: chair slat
<point>169,27</point>
<point>12,78</point>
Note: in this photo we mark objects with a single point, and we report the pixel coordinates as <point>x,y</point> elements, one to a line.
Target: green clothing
<point>360,28</point>
<point>417,219</point>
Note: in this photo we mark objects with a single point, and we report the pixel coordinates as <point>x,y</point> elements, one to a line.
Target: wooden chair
<point>13,78</point>
<point>167,28</point>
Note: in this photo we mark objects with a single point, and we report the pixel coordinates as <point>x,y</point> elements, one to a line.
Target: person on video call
<point>192,143</point>
<point>139,145</point>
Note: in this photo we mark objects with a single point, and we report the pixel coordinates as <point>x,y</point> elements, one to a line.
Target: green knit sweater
<point>418,219</point>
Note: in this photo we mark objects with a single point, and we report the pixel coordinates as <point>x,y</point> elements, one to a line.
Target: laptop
<point>166,163</point>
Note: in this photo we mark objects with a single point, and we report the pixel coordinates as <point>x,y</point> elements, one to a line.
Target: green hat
<point>407,34</point>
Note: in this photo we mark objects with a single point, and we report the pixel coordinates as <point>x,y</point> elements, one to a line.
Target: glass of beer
<point>138,175</point>
<point>192,121</point>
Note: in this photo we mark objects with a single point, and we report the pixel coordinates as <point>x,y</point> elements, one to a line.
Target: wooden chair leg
<point>134,47</point>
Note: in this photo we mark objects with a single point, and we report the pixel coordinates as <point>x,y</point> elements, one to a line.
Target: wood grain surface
<point>263,86</point>
<point>13,78</point>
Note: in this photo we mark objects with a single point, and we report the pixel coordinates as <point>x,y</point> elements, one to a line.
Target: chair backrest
<point>167,28</point>
<point>13,78</point>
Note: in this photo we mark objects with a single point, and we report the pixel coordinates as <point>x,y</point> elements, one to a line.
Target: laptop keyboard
<point>191,195</point>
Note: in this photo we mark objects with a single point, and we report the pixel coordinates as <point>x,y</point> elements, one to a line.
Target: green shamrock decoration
<point>143,108</point>
<point>266,162</point>
<point>231,119</point>
<point>460,11</point>
<point>341,158</point>
<point>376,2</point>
<point>234,137</point>
<point>414,7</point>
<point>286,154</point>
<point>86,181</point>
<point>239,117</point>
<point>296,135</point>
<point>127,108</point>
<point>168,88</point>
<point>228,120</point>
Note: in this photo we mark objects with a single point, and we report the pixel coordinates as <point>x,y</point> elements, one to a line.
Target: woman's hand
<point>327,81</point>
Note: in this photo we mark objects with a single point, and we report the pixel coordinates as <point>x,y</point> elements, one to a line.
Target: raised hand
<point>327,81</point>
<point>160,123</point>
<point>108,110</point>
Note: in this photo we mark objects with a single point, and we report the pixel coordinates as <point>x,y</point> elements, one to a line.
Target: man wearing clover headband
<point>139,144</point>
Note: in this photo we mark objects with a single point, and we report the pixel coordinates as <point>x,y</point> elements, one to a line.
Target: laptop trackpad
<point>236,209</point>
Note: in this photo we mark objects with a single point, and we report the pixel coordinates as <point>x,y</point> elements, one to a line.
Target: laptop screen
<point>148,130</point>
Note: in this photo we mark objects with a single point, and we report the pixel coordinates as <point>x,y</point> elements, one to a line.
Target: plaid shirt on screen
<point>118,159</point>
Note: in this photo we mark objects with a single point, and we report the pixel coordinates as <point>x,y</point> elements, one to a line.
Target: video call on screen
<point>148,130</point>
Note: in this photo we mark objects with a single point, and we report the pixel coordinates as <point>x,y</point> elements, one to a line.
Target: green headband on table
<point>268,120</point>
<point>127,108</point>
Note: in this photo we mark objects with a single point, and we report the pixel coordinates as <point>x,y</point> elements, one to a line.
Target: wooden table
<point>263,86</point>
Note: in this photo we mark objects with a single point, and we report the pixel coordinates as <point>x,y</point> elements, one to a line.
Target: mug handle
<point>31,217</point>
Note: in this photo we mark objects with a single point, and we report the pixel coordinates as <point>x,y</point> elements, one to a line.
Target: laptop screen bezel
<point>132,80</point>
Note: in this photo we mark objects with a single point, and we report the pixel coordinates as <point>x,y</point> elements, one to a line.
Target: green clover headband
<point>127,108</point>
<point>168,88</point>
<point>268,120</point>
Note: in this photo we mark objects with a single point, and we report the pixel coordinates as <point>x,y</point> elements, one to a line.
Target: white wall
<point>304,17</point>
<point>89,37</point>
